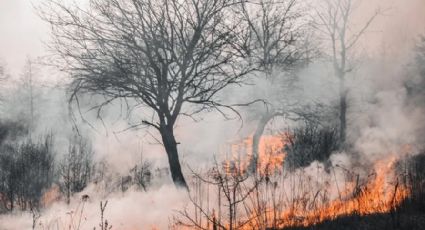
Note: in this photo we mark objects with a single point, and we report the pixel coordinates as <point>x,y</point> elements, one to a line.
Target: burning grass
<point>273,197</point>
<point>379,195</point>
<point>229,196</point>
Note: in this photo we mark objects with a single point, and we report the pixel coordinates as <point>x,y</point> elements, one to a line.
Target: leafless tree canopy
<point>276,37</point>
<point>162,54</point>
<point>334,22</point>
<point>273,33</point>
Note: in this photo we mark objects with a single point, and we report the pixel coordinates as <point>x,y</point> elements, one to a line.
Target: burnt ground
<point>387,221</point>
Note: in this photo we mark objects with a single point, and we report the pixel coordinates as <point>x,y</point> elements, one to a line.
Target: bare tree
<point>334,21</point>
<point>24,97</point>
<point>276,40</point>
<point>164,55</point>
<point>76,168</point>
<point>28,83</point>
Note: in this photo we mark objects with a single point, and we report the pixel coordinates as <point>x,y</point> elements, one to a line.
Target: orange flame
<point>381,194</point>
<point>271,155</point>
<point>378,196</point>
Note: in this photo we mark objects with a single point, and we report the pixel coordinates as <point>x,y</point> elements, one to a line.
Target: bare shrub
<point>142,174</point>
<point>232,189</point>
<point>26,171</point>
<point>76,167</point>
<point>309,143</point>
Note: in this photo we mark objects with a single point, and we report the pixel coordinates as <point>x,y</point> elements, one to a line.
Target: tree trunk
<point>11,197</point>
<point>262,123</point>
<point>342,112</point>
<point>170,146</point>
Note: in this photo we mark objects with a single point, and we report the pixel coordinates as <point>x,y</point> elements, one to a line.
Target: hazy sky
<point>22,32</point>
